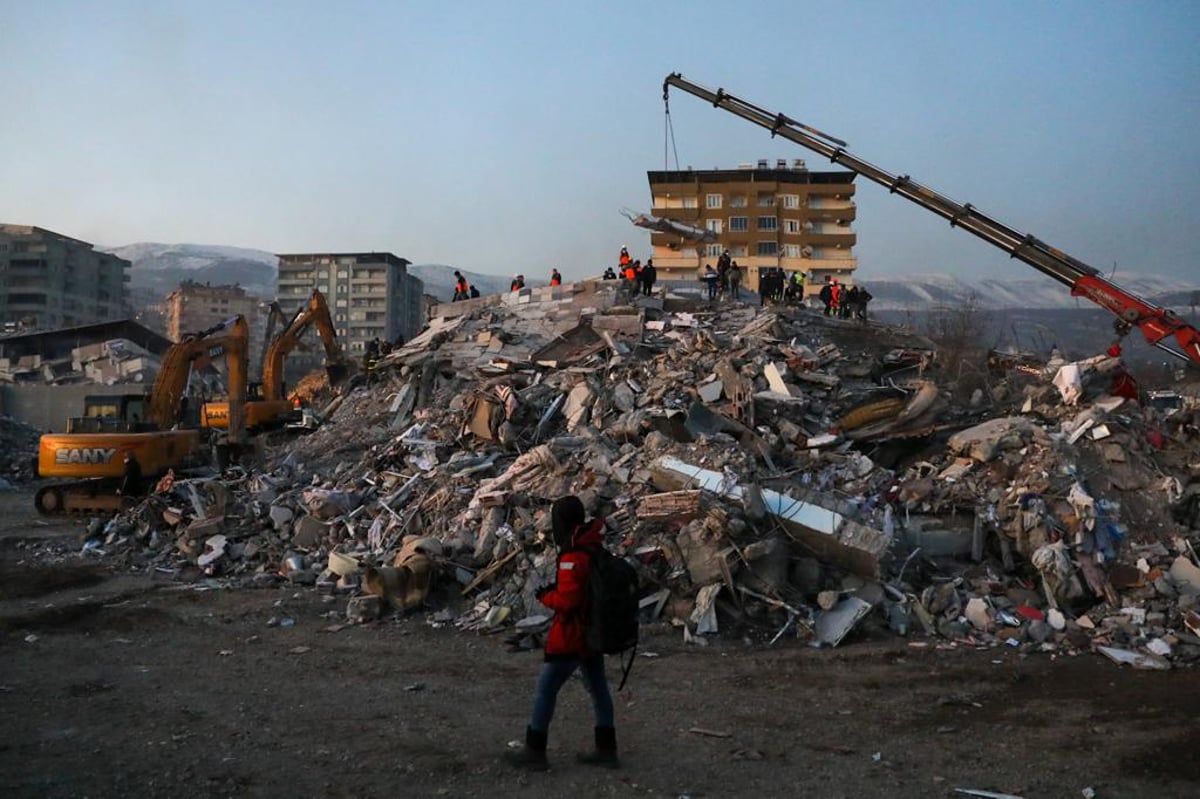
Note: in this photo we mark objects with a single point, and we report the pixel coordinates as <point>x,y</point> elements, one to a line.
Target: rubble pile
<point>18,450</point>
<point>772,474</point>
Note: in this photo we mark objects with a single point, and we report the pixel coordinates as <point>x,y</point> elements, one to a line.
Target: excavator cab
<point>112,413</point>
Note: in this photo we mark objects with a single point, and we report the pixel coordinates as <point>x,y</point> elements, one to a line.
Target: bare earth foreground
<point>118,685</point>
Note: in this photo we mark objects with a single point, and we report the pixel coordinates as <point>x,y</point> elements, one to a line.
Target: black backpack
<point>610,621</point>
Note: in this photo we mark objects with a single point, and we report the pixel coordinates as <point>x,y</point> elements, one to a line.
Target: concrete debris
<point>767,473</point>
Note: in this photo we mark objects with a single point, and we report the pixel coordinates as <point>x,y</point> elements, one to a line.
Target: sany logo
<point>93,455</point>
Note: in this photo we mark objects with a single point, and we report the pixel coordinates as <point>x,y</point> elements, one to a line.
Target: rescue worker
<point>131,476</point>
<point>515,283</point>
<point>624,259</point>
<point>566,643</point>
<point>835,298</point>
<point>461,290</point>
<point>474,292</point>
<point>735,279</point>
<point>826,296</point>
<point>649,275</point>
<point>850,302</point>
<point>864,297</point>
<point>609,274</point>
<point>555,278</point>
<point>713,280</point>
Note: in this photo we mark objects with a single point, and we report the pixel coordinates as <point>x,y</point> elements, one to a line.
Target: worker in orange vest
<point>555,278</point>
<point>624,260</point>
<point>461,290</point>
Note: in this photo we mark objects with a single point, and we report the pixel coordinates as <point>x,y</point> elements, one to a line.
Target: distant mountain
<point>917,292</point>
<point>157,269</point>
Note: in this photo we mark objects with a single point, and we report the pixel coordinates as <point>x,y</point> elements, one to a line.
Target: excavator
<point>273,409</point>
<point>1158,325</point>
<point>90,457</point>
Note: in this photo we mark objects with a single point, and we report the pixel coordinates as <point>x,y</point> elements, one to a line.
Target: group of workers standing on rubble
<point>636,278</point>
<point>843,302</point>
<point>465,291</point>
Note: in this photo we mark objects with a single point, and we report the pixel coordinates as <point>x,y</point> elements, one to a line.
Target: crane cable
<point>668,133</point>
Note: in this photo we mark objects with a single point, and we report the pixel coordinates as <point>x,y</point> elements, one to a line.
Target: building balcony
<point>817,202</point>
<point>682,214</point>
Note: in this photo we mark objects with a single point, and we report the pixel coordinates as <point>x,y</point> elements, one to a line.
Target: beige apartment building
<point>48,280</point>
<point>779,215</point>
<point>194,307</point>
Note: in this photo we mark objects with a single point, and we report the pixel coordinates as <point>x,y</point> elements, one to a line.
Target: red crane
<point>1158,325</point>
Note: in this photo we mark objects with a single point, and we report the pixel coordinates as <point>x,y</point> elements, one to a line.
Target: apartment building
<point>48,280</point>
<point>198,306</point>
<point>769,216</point>
<point>370,294</point>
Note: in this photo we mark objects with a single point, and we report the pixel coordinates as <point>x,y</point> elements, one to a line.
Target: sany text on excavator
<point>91,455</point>
<point>274,409</point>
<point>1158,325</point>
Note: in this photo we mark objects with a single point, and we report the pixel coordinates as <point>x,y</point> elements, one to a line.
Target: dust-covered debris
<point>769,474</point>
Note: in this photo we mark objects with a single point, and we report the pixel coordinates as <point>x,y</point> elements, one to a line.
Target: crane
<point>1158,325</point>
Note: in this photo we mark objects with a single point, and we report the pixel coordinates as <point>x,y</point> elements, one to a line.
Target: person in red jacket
<point>566,643</point>
<point>555,278</point>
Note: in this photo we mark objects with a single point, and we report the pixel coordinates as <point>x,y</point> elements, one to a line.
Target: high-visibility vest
<point>629,273</point>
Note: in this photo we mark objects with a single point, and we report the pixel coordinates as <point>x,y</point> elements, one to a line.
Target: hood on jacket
<point>590,534</point>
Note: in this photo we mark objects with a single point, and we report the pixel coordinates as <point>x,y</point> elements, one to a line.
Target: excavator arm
<point>1158,325</point>
<point>315,313</point>
<point>197,349</point>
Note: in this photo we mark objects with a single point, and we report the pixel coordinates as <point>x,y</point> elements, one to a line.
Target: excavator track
<point>79,496</point>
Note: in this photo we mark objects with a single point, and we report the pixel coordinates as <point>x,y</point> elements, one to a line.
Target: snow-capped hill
<point>916,292</point>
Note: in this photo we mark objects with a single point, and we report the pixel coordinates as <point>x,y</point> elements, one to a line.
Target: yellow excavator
<point>273,410</point>
<point>102,448</point>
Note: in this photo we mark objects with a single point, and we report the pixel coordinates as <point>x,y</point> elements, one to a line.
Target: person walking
<point>566,643</point>
<point>649,276</point>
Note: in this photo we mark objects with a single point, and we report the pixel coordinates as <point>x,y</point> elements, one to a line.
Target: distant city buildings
<point>371,295</point>
<point>48,280</point>
<point>767,216</point>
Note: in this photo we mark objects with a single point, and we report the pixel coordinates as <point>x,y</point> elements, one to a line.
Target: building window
<point>713,250</point>
<point>767,248</point>
<point>791,201</point>
<point>791,226</point>
<point>738,224</point>
<point>768,223</point>
<point>343,273</point>
<point>712,201</point>
<point>737,202</point>
<point>341,288</point>
<point>323,274</point>
<point>791,250</point>
<point>689,202</point>
<point>714,225</point>
<point>766,201</point>
<point>738,251</point>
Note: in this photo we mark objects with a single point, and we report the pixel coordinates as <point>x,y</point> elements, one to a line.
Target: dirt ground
<point>131,685</point>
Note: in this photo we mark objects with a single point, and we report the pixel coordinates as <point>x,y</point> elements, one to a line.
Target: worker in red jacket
<point>566,643</point>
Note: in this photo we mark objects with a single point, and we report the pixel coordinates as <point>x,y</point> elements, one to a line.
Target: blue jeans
<point>554,676</point>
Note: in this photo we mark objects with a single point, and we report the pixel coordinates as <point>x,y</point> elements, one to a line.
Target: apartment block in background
<point>370,294</point>
<point>194,307</point>
<point>768,216</point>
<point>48,280</point>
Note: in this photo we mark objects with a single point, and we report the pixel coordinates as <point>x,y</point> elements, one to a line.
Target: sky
<point>506,137</point>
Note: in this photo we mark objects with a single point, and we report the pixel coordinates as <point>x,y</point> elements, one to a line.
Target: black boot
<point>605,753</point>
<point>532,756</point>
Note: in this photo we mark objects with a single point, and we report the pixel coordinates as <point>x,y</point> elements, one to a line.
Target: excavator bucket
<point>337,372</point>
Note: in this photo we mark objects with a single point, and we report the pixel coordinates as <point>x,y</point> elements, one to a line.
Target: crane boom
<point>1156,324</point>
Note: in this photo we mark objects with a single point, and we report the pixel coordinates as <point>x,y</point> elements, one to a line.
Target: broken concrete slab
<point>835,624</point>
<point>984,441</point>
<point>819,522</point>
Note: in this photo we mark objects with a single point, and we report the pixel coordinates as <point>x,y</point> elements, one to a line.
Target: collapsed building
<point>769,471</point>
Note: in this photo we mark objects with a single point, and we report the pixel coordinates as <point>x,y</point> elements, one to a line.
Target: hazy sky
<point>506,136</point>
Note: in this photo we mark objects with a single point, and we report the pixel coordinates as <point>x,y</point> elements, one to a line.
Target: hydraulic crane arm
<point>1156,324</point>
<point>315,313</point>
